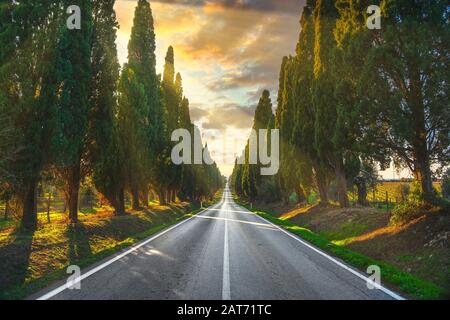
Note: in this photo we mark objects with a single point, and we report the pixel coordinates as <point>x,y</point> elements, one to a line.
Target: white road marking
<point>64,287</point>
<point>226,292</point>
<point>238,221</point>
<point>354,272</point>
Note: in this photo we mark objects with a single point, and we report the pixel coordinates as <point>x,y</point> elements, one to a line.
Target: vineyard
<point>391,192</point>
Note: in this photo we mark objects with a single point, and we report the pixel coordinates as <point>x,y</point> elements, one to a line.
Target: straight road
<point>223,253</point>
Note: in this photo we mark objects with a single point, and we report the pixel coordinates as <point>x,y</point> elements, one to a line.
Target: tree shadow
<point>15,259</point>
<point>79,246</point>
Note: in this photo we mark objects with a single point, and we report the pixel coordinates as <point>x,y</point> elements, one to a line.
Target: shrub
<point>402,192</point>
<point>410,208</point>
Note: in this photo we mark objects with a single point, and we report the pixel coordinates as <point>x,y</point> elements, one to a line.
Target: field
<point>390,190</point>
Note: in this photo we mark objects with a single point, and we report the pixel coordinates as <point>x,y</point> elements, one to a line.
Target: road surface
<point>225,252</point>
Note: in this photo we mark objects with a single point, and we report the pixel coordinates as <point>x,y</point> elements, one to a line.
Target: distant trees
<point>66,108</point>
<point>352,99</point>
<point>246,179</point>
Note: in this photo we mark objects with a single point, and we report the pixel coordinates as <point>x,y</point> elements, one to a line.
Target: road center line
<point>226,292</point>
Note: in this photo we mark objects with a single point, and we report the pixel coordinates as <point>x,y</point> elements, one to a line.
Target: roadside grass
<point>345,231</point>
<point>408,284</point>
<point>32,261</point>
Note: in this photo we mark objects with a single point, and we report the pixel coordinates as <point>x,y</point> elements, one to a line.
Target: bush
<point>410,208</point>
<point>402,192</point>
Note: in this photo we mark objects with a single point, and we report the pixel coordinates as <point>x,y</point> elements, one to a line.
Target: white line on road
<point>226,292</point>
<point>62,288</point>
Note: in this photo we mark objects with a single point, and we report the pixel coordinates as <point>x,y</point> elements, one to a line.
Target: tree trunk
<point>169,195</point>
<point>65,204</point>
<point>6,209</point>
<point>362,192</point>
<point>74,190</point>
<point>120,203</point>
<point>321,182</point>
<point>421,154</point>
<point>422,172</point>
<point>145,198</point>
<point>162,197</point>
<point>135,199</point>
<point>341,184</point>
<point>174,196</point>
<point>29,218</point>
<point>49,202</point>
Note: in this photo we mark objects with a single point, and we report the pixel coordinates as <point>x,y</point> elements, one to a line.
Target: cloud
<point>229,116</point>
<point>261,5</point>
<point>198,112</point>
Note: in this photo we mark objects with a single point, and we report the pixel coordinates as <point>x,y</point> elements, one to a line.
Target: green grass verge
<point>25,290</point>
<point>407,283</point>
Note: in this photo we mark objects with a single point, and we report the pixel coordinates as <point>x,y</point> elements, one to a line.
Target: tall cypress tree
<point>303,135</point>
<point>27,78</point>
<point>173,95</point>
<point>251,176</point>
<point>104,153</point>
<point>325,17</point>
<point>132,102</point>
<point>142,61</point>
<point>74,77</point>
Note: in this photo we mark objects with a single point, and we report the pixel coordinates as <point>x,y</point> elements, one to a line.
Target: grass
<point>410,285</point>
<point>345,231</point>
<point>32,261</point>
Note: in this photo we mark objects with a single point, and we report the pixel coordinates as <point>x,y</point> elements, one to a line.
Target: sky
<point>228,52</point>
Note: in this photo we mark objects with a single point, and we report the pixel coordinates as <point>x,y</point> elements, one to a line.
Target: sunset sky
<point>227,51</point>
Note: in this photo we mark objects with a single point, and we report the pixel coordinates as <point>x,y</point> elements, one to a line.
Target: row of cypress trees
<point>68,107</point>
<point>353,99</point>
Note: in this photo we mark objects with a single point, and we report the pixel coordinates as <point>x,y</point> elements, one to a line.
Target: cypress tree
<point>27,82</point>
<point>132,105</point>
<point>303,135</point>
<point>325,17</point>
<point>102,139</point>
<point>151,123</point>
<point>74,77</point>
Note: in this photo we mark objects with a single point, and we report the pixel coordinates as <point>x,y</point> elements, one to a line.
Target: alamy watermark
<point>374,279</point>
<point>374,18</point>
<point>74,20</point>
<point>74,281</point>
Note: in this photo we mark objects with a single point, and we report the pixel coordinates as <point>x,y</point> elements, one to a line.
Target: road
<point>225,252</point>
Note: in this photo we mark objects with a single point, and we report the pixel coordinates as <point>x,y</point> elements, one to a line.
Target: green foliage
<point>446,185</point>
<point>132,130</point>
<point>352,99</point>
<point>403,87</point>
<point>104,153</point>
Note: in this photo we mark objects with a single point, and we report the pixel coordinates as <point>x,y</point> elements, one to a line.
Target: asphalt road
<point>225,252</point>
